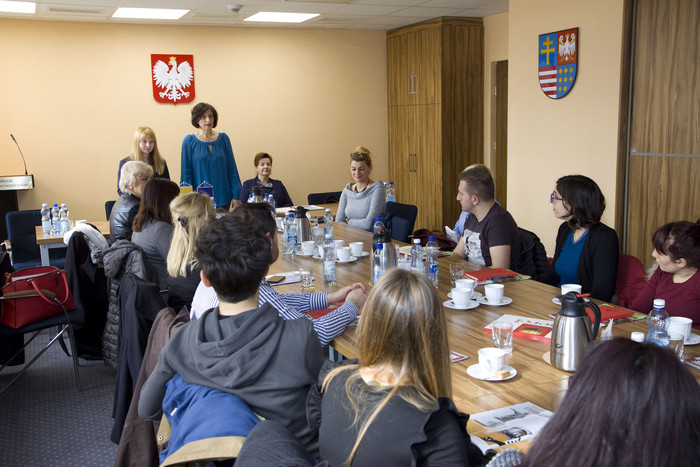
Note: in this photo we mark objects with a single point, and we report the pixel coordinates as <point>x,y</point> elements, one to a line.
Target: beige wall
<point>495,49</point>
<point>577,134</point>
<point>73,93</point>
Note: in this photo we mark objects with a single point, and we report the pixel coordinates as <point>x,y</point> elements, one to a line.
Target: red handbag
<point>19,312</point>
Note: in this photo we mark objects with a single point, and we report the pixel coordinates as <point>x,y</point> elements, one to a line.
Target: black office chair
<point>108,208</point>
<point>22,235</point>
<point>403,220</point>
<point>64,322</point>
<point>329,197</point>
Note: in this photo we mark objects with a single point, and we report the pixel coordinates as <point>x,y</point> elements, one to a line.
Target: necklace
<point>578,233</point>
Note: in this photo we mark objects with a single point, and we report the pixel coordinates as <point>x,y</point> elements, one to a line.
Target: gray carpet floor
<point>45,421</point>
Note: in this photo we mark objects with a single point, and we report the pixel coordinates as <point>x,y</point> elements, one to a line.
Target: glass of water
<point>307,279</point>
<point>675,343</point>
<point>456,272</point>
<point>503,336</point>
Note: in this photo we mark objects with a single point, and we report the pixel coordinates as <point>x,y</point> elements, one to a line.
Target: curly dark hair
<point>235,254</point>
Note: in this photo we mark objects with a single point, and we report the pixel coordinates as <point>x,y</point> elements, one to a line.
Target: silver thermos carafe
<point>303,225</point>
<point>572,331</point>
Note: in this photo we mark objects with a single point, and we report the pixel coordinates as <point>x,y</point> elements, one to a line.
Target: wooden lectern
<point>9,184</point>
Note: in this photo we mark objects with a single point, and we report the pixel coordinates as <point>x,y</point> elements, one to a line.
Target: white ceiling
<point>381,15</point>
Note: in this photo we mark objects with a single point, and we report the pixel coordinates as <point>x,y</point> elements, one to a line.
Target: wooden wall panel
<point>664,162</point>
<point>665,112</point>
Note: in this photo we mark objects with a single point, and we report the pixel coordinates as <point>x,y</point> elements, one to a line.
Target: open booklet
<point>514,426</point>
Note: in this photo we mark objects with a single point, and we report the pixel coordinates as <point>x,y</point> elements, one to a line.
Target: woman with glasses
<point>361,200</point>
<point>133,177</point>
<point>587,250</point>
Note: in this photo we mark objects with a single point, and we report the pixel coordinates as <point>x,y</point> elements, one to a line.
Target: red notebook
<point>608,312</point>
<point>316,314</point>
<point>495,275</point>
<point>527,328</point>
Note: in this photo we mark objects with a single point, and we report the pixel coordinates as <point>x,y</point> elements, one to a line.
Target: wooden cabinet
<point>435,94</point>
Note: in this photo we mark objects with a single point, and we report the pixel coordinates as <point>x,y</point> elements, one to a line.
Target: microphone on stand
<point>20,153</point>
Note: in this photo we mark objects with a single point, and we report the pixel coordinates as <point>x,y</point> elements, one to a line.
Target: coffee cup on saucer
<point>494,293</point>
<point>681,325</point>
<point>344,254</point>
<point>461,297</point>
<point>491,361</point>
<point>356,248</point>
<point>307,247</point>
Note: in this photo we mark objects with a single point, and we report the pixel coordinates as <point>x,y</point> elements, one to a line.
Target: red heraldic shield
<point>173,78</point>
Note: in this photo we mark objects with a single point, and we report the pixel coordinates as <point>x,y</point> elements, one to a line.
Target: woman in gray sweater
<point>362,200</point>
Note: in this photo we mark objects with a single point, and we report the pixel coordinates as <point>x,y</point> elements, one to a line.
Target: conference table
<point>48,242</point>
<point>536,380</point>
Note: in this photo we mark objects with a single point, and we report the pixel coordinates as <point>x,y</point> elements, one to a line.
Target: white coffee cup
<point>468,289</point>
<point>338,244</point>
<point>566,288</point>
<point>465,283</point>
<point>681,325</point>
<point>356,248</point>
<point>344,253</point>
<point>494,293</point>
<point>491,360</point>
<point>307,247</point>
<point>461,297</point>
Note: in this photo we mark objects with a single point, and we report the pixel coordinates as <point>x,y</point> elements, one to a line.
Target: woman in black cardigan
<point>586,250</point>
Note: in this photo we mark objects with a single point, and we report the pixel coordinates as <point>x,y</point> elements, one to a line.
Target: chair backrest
<point>631,279</point>
<point>403,219</point>
<point>329,197</point>
<point>533,259</point>
<point>22,235</point>
<point>108,208</point>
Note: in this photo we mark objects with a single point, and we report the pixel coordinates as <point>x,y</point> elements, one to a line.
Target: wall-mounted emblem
<point>558,56</point>
<point>173,78</point>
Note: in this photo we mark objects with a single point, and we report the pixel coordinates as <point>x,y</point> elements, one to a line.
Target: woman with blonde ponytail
<point>190,212</point>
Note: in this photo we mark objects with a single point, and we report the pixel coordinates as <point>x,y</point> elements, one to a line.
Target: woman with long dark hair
<point>628,405</point>
<point>153,225</point>
<point>587,250</point>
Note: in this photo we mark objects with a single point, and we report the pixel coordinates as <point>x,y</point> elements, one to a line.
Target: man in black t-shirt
<point>491,237</point>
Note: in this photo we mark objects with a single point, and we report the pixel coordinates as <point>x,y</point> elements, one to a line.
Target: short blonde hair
<point>362,154</point>
<point>155,160</point>
<point>191,212</point>
<point>130,171</point>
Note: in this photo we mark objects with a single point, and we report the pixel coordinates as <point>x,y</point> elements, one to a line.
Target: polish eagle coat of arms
<point>173,78</point>
<point>558,62</point>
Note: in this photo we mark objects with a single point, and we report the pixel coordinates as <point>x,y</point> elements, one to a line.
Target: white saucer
<point>301,253</point>
<point>475,372</point>
<point>475,295</point>
<point>352,258</point>
<point>693,339</point>
<point>504,301</point>
<point>556,300</point>
<point>451,304</point>
<point>363,254</point>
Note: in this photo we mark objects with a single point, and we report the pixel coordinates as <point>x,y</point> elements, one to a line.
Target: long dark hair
<point>155,203</point>
<point>629,404</point>
<point>584,199</point>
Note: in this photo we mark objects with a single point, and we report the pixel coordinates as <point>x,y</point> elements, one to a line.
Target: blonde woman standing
<point>394,406</point>
<point>144,148</point>
<point>190,212</point>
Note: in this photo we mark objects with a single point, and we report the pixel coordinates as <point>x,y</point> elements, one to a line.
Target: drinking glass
<point>307,279</point>
<point>456,272</point>
<point>503,336</point>
<point>675,343</point>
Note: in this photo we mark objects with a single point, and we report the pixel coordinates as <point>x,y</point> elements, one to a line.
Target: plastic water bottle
<point>55,220</point>
<point>250,197</point>
<point>658,321</point>
<point>417,256</point>
<point>269,199</point>
<point>391,192</point>
<point>290,235</point>
<point>378,224</point>
<point>329,260</point>
<point>328,224</point>
<point>64,215</point>
<point>46,219</point>
<point>379,262</point>
<point>431,260</point>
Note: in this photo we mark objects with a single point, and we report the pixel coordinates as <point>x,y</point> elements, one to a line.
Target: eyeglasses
<point>553,197</point>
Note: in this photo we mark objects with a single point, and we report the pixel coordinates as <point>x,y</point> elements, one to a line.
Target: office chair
<point>22,235</point>
<point>403,220</point>
<point>108,208</point>
<point>329,197</point>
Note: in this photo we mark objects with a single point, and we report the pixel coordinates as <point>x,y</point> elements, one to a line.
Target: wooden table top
<point>537,381</point>
<point>41,239</point>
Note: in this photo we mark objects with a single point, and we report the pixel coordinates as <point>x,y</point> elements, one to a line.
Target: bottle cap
<point>416,240</point>
<point>378,219</point>
<point>431,238</point>
<point>659,303</point>
<point>380,246</point>
<point>637,336</point>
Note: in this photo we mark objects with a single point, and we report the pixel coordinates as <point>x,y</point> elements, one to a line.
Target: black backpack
<point>533,259</point>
